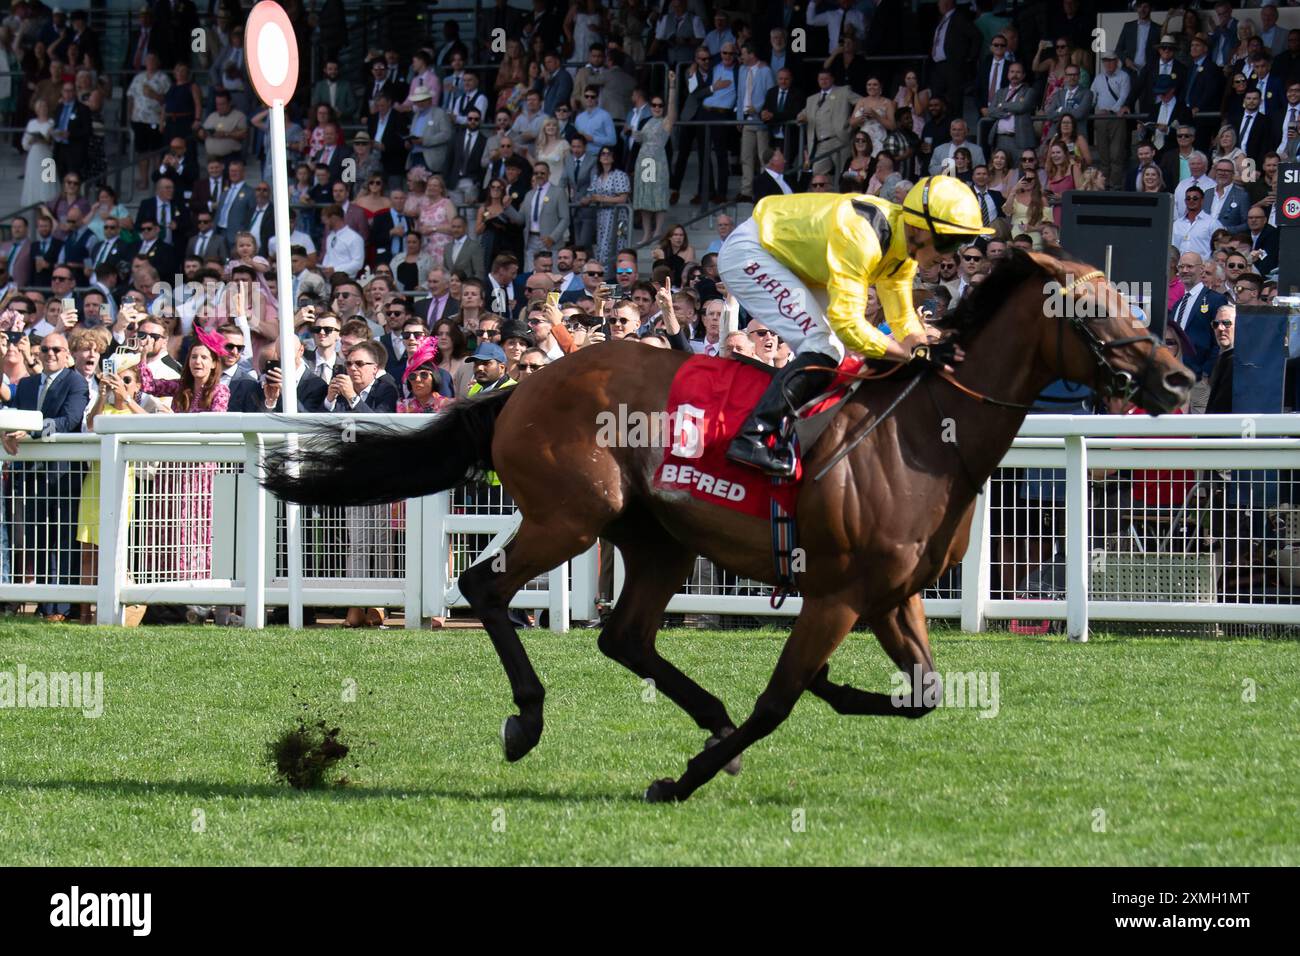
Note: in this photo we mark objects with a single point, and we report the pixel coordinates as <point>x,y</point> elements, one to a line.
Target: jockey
<point>802,266</point>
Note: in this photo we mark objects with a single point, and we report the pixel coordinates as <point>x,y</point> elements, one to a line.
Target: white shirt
<point>1290,118</point>
<point>940,34</point>
<point>345,251</point>
<point>1194,235</point>
<point>1183,317</point>
<point>296,238</point>
<point>780,180</point>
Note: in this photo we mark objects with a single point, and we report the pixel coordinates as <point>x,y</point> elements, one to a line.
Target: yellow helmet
<point>945,206</point>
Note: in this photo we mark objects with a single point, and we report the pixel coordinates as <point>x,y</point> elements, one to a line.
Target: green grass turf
<point>1152,731</point>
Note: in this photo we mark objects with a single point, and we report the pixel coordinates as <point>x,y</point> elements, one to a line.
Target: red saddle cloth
<point>709,400</point>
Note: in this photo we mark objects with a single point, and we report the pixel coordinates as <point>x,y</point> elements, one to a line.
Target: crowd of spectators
<point>464,210</point>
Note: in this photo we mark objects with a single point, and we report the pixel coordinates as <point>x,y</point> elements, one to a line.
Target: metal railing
<point>1173,522</point>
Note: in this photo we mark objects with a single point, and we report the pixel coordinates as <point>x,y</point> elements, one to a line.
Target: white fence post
<point>583,577</point>
<point>414,563</point>
<point>976,567</point>
<point>1076,538</point>
<point>434,559</point>
<point>114,506</point>
<point>254,534</point>
<point>557,584</point>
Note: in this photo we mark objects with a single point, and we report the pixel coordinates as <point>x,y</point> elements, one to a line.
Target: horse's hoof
<point>662,791</point>
<point>733,766</point>
<point>515,742</point>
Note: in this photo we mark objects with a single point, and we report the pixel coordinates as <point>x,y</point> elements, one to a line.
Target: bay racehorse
<point>882,524</point>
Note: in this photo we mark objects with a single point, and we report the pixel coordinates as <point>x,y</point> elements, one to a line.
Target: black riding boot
<point>758,443</point>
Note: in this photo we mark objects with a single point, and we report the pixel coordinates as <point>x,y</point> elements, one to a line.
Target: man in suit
<point>388,229</point>
<point>1165,64</point>
<point>953,52</point>
<point>1146,154</point>
<point>439,304</point>
<point>152,248</point>
<point>268,396</point>
<point>990,200</point>
<point>1271,86</point>
<point>1263,240</point>
<point>464,254</point>
<point>17,253</point>
<point>430,133</point>
<point>1013,108</point>
<point>755,81</point>
<point>50,490</point>
<point>1176,161</point>
<point>694,89</point>
<point>379,85</point>
<point>780,107</point>
<point>208,242</point>
<point>46,250</point>
<point>1168,114</point>
<point>71,133</point>
<point>1253,129</point>
<point>465,164</point>
<point>579,166</point>
<point>364,388</point>
<point>827,114</point>
<point>1204,90</point>
<point>1227,202</point>
<point>177,167</point>
<point>163,208</point>
<point>1286,123</point>
<point>637,117</point>
<point>1071,98</point>
<point>145,40</point>
<point>545,209</point>
<point>557,84</point>
<point>235,209</point>
<point>991,76</point>
<point>354,216</point>
<point>771,180</point>
<point>261,221</point>
<point>114,251</point>
<point>335,91</point>
<point>208,189</point>
<point>1138,38</point>
<point>388,131</point>
<point>1192,314</point>
<point>469,98</point>
<point>80,242</point>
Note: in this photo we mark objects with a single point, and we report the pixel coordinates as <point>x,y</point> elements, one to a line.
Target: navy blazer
<point>65,400</point>
<point>311,396</point>
<point>382,398</point>
<point>1197,326</point>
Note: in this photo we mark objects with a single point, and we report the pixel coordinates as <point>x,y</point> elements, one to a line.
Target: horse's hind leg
<point>905,638</point>
<point>656,564</point>
<point>818,630</point>
<point>535,548</point>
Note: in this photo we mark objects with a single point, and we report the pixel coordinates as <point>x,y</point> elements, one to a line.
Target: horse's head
<point>1096,340</point>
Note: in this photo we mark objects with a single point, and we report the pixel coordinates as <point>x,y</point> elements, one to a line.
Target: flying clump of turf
<point>306,755</point>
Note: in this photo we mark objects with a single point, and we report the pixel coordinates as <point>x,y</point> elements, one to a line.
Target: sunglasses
<point>490,333</point>
<point>354,363</point>
<point>656,106</point>
<point>51,350</point>
<point>528,367</point>
<point>573,326</point>
<point>234,348</point>
<point>763,332</point>
<point>14,337</point>
<point>322,330</point>
<point>1223,323</point>
<point>152,335</point>
<point>421,376</point>
<point>414,335</point>
<point>594,272</point>
<point>972,258</point>
<point>624,271</point>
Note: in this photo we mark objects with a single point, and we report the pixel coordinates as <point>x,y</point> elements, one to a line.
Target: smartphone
<point>552,298</point>
<point>272,365</point>
<point>339,370</point>
<point>69,304</point>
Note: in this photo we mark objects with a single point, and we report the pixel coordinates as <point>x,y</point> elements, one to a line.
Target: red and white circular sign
<point>1291,208</point>
<point>272,53</point>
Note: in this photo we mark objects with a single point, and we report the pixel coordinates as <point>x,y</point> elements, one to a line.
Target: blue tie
<point>63,116</point>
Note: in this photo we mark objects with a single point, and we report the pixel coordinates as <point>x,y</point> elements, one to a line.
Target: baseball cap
<point>488,352</point>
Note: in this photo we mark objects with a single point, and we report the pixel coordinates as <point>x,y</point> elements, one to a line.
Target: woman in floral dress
<point>435,218</point>
<point>610,187</point>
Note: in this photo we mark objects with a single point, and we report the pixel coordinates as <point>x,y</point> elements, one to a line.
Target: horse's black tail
<point>355,463</point>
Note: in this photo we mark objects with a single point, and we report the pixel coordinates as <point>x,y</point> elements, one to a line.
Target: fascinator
<point>426,353</point>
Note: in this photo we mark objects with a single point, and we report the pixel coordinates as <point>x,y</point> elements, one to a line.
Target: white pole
<point>288,345</point>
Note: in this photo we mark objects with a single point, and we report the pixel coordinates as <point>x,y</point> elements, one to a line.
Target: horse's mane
<point>1003,280</point>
